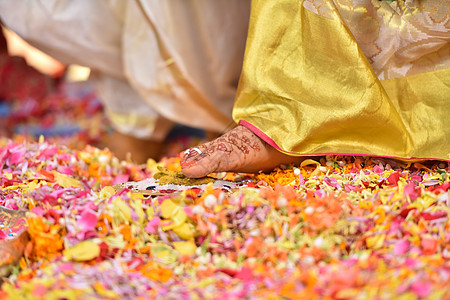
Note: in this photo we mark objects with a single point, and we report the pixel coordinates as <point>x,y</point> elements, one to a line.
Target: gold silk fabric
<point>348,77</point>
<point>399,39</point>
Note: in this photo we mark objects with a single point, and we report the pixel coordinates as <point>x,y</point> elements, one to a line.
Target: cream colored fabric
<point>181,58</point>
<point>126,109</point>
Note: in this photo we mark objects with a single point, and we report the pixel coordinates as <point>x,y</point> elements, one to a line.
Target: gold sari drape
<point>339,78</point>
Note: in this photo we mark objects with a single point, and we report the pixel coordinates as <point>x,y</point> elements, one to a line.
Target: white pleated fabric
<point>171,60</point>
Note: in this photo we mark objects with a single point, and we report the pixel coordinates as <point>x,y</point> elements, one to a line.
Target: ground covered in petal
<point>335,227</point>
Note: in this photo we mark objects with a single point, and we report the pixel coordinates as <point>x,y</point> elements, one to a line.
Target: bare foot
<point>239,150</point>
<point>126,147</point>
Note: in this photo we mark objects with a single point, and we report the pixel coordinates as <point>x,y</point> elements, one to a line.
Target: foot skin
<point>126,147</point>
<point>239,150</point>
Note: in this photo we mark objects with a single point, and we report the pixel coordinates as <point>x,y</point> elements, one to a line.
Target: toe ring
<point>198,150</point>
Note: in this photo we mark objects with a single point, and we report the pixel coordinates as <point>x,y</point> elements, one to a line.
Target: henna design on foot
<point>238,150</point>
<point>227,144</point>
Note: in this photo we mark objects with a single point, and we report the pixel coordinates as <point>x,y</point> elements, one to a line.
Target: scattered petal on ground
<point>343,227</point>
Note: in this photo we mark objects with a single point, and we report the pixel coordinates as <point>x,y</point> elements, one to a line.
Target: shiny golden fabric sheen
<point>368,79</point>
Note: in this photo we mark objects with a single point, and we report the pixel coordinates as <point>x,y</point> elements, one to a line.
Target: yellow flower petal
<point>375,242</point>
<point>184,231</point>
<point>150,212</point>
<point>185,248</point>
<point>107,192</point>
<point>83,251</point>
<point>137,206</point>
<point>168,208</point>
<point>164,253</point>
<point>66,181</point>
<point>179,217</point>
<point>121,209</point>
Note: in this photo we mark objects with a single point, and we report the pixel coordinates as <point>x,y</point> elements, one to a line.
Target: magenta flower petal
<point>421,289</point>
<point>66,170</point>
<point>377,169</point>
<point>393,178</point>
<point>152,225</point>
<point>16,157</point>
<point>401,247</point>
<point>410,190</point>
<point>88,221</point>
<point>39,211</point>
<point>121,178</point>
<point>245,274</point>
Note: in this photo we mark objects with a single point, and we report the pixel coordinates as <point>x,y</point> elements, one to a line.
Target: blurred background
<point>40,96</point>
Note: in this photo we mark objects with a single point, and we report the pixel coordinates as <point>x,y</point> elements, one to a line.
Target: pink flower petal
<point>393,178</point>
<point>301,180</point>
<point>16,156</point>
<point>121,178</point>
<point>410,190</point>
<point>88,221</point>
<point>188,211</point>
<point>429,245</point>
<point>331,181</point>
<point>350,188</point>
<point>421,289</point>
<point>245,274</point>
<point>410,262</point>
<point>39,290</point>
<point>415,177</point>
<point>48,153</point>
<point>152,225</point>
<point>401,247</point>
<point>65,170</point>
<point>377,169</point>
<point>39,211</point>
<point>433,215</point>
<point>320,193</point>
<point>66,267</point>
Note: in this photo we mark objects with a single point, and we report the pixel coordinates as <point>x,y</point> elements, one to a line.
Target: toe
<point>197,169</point>
<point>197,162</point>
